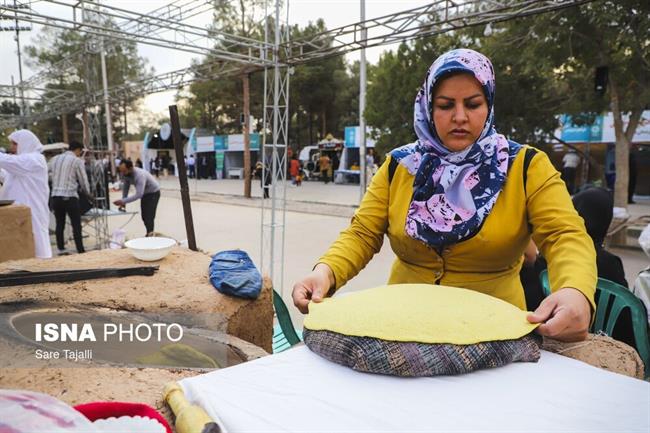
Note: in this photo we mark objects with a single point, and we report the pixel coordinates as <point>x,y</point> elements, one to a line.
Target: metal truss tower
<point>275,140</point>
<point>98,224</point>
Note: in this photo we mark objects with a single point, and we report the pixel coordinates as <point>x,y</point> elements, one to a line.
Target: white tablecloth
<point>297,391</point>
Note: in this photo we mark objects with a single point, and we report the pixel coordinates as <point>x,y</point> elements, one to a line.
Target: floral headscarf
<point>453,192</point>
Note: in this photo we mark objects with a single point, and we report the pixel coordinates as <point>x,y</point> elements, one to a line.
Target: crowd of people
<point>67,186</point>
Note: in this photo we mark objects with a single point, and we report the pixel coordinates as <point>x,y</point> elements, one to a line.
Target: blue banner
<point>581,133</point>
<point>220,142</point>
<point>255,140</point>
<point>351,136</point>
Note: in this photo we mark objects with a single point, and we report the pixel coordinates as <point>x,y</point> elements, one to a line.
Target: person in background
<point>153,167</point>
<point>147,190</point>
<point>596,207</point>
<point>569,167</point>
<point>138,163</point>
<point>632,169</point>
<point>191,164</point>
<point>325,167</point>
<point>610,167</point>
<point>294,169</point>
<point>68,176</point>
<point>25,181</point>
<point>370,165</point>
<point>301,174</point>
<point>266,177</point>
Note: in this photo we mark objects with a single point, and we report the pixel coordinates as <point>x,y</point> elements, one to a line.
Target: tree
<point>11,108</point>
<point>393,85</point>
<point>322,93</point>
<point>552,73</point>
<point>562,50</point>
<point>317,89</point>
<point>217,104</point>
<point>123,65</point>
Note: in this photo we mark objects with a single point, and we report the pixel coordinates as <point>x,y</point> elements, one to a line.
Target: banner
<point>641,135</point>
<point>220,142</point>
<point>581,133</point>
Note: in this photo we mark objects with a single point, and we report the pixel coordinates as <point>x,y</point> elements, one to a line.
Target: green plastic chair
<point>609,293</point>
<point>284,334</point>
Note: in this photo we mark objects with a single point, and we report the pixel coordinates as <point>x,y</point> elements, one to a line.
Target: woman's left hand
<point>564,315</point>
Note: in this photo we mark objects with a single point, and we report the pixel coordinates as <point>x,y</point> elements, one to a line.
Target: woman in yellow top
<point>460,204</point>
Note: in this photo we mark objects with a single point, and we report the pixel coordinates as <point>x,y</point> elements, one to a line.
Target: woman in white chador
<point>25,181</point>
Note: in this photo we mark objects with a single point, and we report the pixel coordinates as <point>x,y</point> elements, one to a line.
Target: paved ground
<point>220,225</point>
<point>224,219</point>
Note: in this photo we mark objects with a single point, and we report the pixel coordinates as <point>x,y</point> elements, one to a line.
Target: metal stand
<point>274,153</point>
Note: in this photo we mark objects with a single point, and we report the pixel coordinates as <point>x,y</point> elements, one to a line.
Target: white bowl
<point>129,424</point>
<point>150,249</point>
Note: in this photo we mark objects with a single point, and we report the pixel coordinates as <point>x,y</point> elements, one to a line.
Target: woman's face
<point>459,111</point>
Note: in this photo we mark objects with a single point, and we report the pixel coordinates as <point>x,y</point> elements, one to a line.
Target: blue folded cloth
<point>233,273</point>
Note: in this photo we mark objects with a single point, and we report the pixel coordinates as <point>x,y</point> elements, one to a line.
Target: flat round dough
<point>421,313</point>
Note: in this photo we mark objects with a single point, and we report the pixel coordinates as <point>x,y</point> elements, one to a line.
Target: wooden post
<point>182,177</point>
<point>247,137</point>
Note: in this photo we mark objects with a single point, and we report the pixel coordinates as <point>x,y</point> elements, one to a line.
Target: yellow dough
<point>420,313</point>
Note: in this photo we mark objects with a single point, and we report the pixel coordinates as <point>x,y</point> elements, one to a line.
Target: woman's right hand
<point>313,287</point>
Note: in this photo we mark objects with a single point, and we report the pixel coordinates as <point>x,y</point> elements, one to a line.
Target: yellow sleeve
<point>559,231</point>
<point>363,238</point>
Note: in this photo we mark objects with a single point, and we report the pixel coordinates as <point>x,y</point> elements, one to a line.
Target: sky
<point>335,13</point>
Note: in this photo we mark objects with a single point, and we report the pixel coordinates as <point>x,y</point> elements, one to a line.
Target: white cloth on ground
<point>26,183</point>
<point>298,391</point>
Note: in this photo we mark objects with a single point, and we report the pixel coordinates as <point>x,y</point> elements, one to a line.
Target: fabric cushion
<point>419,330</point>
<point>395,358</point>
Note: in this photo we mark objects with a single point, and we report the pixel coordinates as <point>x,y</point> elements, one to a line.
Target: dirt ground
<point>84,385</point>
<point>180,288</point>
<point>181,285</point>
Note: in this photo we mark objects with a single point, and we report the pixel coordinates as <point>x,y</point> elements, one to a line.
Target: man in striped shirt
<point>68,176</point>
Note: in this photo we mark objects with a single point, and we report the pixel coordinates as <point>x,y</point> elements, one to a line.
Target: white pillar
<point>362,107</point>
<point>107,111</point>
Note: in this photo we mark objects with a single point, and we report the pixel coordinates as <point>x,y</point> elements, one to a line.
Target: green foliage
<point>324,94</point>
<point>7,107</point>
<point>392,87</point>
<point>544,66</point>
<point>218,103</point>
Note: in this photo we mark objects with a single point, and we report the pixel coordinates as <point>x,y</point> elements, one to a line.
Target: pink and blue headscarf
<point>453,192</point>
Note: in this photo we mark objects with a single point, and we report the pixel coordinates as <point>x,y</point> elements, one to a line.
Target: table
<point>298,391</point>
<point>346,176</point>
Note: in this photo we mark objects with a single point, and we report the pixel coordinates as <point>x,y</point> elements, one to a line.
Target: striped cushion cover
<point>373,355</point>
